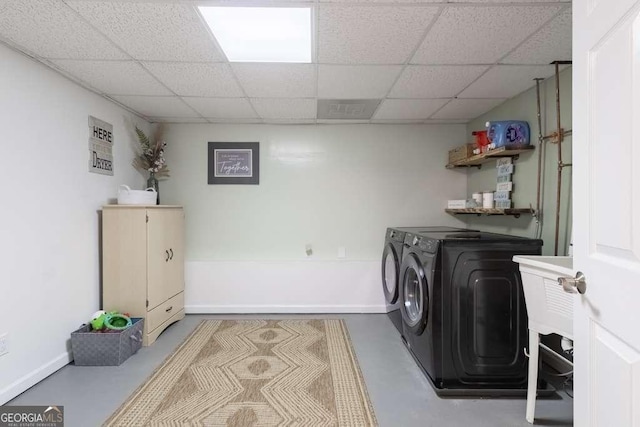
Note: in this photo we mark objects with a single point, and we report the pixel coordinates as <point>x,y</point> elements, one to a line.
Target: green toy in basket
<point>112,320</point>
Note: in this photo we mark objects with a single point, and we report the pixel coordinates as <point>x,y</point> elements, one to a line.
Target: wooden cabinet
<point>143,264</point>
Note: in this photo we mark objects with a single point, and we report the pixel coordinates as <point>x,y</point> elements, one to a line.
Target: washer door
<point>390,273</point>
<point>415,295</point>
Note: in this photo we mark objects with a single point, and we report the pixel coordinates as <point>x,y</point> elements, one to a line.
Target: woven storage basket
<point>108,348</point>
<point>127,196</point>
<point>461,153</point>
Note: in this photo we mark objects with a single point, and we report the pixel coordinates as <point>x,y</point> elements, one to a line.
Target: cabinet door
<point>158,243</point>
<point>174,279</point>
<point>124,260</point>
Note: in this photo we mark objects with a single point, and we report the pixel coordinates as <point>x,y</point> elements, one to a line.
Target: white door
<point>606,229</point>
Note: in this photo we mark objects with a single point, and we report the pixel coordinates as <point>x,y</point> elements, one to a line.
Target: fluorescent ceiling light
<point>261,34</point>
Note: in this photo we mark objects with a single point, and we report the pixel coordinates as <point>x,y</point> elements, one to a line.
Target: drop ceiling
<point>420,61</point>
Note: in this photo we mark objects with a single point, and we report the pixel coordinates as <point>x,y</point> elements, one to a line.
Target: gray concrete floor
<point>401,395</point>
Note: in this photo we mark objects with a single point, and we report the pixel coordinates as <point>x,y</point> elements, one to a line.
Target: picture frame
<point>233,163</point>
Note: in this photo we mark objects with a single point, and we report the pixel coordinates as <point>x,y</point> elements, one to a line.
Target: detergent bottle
<point>508,132</point>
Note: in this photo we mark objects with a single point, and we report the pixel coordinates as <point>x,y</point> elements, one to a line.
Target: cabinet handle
<point>171,250</point>
<point>167,258</point>
<point>169,309</point>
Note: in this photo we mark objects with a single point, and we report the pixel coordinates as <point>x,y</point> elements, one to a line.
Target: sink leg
<point>534,352</point>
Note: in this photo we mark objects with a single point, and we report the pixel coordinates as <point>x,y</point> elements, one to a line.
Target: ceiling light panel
<point>480,35</point>
<point>261,34</point>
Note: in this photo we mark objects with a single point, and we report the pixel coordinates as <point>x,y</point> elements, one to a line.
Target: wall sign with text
<point>233,163</point>
<point>100,147</point>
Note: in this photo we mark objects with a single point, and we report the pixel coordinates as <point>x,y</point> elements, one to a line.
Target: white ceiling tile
<point>114,77</point>
<point>506,81</point>
<point>466,108</point>
<point>157,106</point>
<point>508,1</point>
<point>196,79</point>
<point>408,109</point>
<point>177,120</point>
<point>381,1</point>
<point>370,35</point>
<point>280,109</point>
<point>277,80</point>
<point>480,35</point>
<point>50,29</point>
<point>222,108</point>
<point>445,121</point>
<point>356,81</point>
<point>551,43</point>
<point>435,81</point>
<point>290,121</point>
<point>152,31</point>
<point>341,122</point>
<point>238,121</point>
<point>396,121</point>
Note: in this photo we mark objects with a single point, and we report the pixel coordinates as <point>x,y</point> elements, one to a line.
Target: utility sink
<point>549,308</point>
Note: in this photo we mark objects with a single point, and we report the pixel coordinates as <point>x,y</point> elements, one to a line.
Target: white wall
<point>328,186</point>
<point>49,257</point>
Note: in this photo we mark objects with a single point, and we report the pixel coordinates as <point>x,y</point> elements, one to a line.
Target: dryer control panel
<point>424,243</point>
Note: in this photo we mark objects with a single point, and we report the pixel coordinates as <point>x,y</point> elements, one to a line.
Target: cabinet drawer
<point>161,313</point>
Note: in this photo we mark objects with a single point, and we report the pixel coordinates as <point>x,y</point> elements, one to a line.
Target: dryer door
<point>415,294</point>
<point>390,273</point>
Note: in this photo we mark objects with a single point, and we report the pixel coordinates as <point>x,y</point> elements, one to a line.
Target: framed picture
<point>234,163</point>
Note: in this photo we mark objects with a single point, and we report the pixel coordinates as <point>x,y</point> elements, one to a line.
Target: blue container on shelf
<point>508,132</point>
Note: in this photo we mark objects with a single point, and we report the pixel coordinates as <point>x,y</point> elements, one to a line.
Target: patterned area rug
<point>244,373</point>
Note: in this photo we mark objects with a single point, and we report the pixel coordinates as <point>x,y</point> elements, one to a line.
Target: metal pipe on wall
<point>561,165</point>
<point>538,211</point>
<point>559,186</point>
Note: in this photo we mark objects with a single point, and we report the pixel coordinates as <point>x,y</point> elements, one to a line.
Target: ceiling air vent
<point>347,109</point>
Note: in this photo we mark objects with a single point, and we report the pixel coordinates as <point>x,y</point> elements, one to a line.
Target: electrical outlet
<point>4,344</point>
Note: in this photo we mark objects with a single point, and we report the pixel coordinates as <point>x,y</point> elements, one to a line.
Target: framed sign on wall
<point>234,163</point>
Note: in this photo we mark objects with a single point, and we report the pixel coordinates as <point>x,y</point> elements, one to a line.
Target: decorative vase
<point>152,182</point>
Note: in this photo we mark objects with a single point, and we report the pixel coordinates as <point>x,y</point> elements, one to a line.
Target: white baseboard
<point>290,309</point>
<point>34,377</point>
<point>283,287</point>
